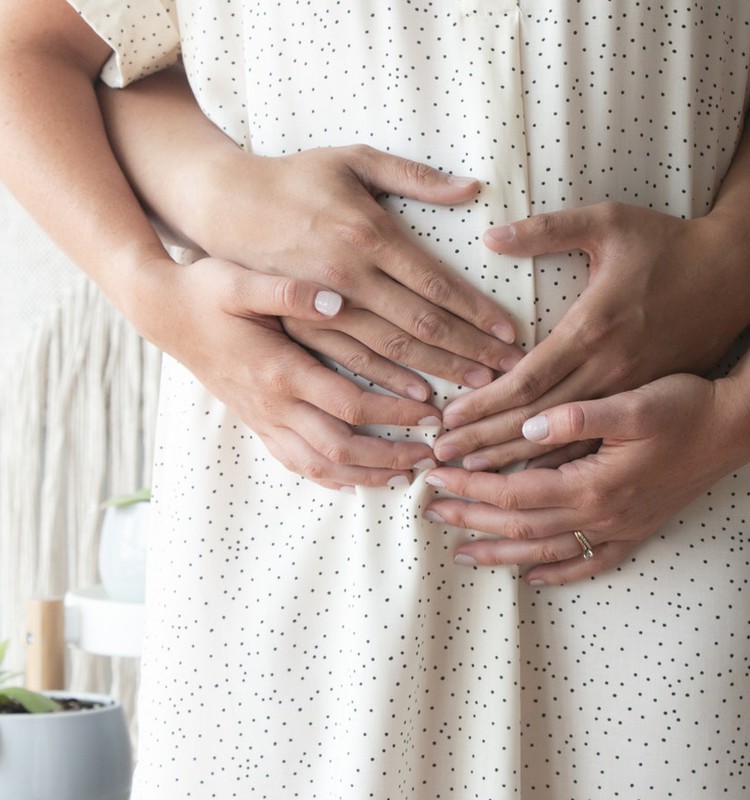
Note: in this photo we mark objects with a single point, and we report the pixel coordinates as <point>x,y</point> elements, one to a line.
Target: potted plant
<point>54,746</point>
<point>122,546</point>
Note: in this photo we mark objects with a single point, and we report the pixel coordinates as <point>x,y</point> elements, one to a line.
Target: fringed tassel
<point>76,425</point>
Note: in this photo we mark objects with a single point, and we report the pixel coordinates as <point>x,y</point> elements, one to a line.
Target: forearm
<point>168,149</point>
<point>56,157</point>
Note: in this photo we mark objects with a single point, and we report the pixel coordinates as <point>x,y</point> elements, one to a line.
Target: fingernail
<point>464,561</point>
<point>447,452</point>
<point>460,182</point>
<point>476,464</point>
<point>416,392</point>
<point>425,463</point>
<point>348,489</point>
<point>398,481</point>
<point>453,420</point>
<point>433,480</point>
<point>502,234</point>
<point>432,516</point>
<point>433,421</point>
<point>536,582</point>
<point>328,303</point>
<point>503,332</point>
<point>536,428</point>
<point>507,364</point>
<point>476,378</point>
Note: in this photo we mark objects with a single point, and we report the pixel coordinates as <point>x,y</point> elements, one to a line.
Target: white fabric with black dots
<point>304,643</point>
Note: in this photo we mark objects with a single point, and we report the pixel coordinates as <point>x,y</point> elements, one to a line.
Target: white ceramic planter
<point>70,755</point>
<point>122,551</point>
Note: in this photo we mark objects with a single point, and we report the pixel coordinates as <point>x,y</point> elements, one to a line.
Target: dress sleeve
<point>143,35</point>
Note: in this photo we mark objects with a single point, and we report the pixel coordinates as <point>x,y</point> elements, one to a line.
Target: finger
<point>554,232</point>
<point>339,444</point>
<point>520,490</point>
<point>495,552</point>
<point>393,344</point>
<point>606,556</point>
<point>298,456</point>
<point>512,525</point>
<point>563,455</point>
<point>359,359</point>
<point>442,295</point>
<point>384,172</point>
<point>340,397</point>
<point>615,417</point>
<point>553,363</point>
<point>253,293</point>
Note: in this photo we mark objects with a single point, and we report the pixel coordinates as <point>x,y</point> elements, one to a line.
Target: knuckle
<point>360,362</point>
<point>545,554</point>
<point>337,453</point>
<point>527,385</point>
<point>518,529</point>
<point>508,499</point>
<point>398,346</point>
<point>436,288</point>
<point>610,213</point>
<point>286,294</point>
<point>416,171</point>
<point>430,326</point>
<point>360,233</point>
<point>351,411</point>
<point>313,468</point>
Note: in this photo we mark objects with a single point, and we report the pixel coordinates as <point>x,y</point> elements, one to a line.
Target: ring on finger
<point>586,549</point>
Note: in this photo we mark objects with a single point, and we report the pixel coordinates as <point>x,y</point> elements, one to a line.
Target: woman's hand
<point>221,321</point>
<point>664,295</point>
<point>314,215</point>
<point>662,446</point>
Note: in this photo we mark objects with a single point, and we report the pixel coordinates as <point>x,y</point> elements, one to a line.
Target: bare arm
<point>57,159</point>
<point>314,214</point>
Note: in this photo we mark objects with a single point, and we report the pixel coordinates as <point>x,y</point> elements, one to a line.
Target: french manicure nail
<point>328,303</point>
<point>464,560</point>
<point>432,516</point>
<point>536,428</point>
<point>348,489</point>
<point>433,480</point>
<point>398,481</point>
<point>425,463</point>
<point>432,421</point>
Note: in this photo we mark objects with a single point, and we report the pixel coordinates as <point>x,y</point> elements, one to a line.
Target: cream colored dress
<point>305,643</point>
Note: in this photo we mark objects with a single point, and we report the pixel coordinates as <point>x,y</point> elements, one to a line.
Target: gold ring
<point>585,545</point>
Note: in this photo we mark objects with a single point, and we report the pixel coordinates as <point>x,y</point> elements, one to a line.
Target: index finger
<point>533,489</point>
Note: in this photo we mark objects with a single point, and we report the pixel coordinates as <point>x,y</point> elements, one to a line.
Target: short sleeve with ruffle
<point>143,34</point>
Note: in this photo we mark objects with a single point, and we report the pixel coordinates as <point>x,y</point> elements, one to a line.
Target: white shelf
<point>96,624</point>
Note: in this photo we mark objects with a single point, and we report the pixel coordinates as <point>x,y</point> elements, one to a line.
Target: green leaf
<point>33,702</point>
<point>141,496</point>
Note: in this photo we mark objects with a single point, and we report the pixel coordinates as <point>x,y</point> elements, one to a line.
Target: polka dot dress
<point>309,644</point>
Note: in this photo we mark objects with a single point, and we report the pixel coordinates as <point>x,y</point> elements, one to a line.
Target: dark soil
<point>67,703</point>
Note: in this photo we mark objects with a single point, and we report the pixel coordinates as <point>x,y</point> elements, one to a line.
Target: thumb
<point>609,417</point>
<point>257,294</point>
<point>384,172</point>
<point>556,232</point>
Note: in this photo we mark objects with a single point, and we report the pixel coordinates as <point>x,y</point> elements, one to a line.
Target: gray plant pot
<point>69,755</point>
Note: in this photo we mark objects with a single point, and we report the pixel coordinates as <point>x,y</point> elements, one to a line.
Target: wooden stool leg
<point>45,652</point>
